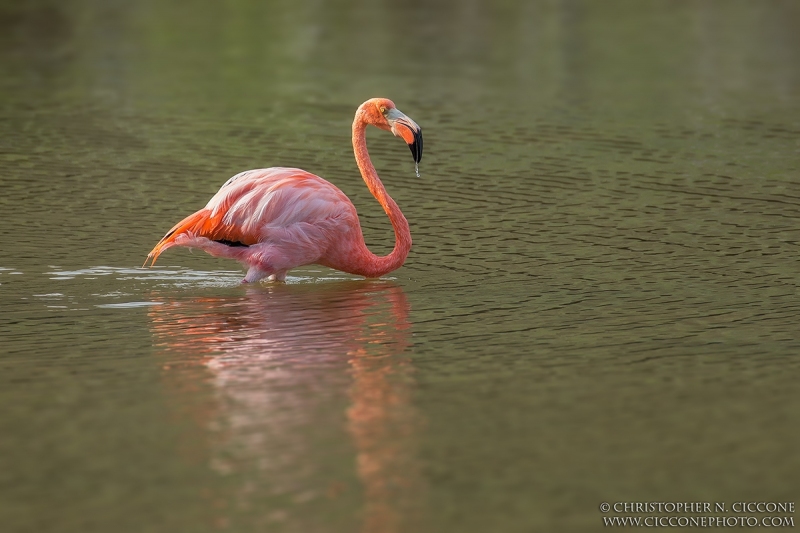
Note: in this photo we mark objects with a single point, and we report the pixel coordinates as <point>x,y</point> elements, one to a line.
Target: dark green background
<point>601,303</point>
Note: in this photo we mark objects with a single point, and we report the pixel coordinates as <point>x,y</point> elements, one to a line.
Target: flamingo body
<point>275,219</point>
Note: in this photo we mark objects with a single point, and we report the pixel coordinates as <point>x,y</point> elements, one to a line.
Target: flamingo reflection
<point>286,363</point>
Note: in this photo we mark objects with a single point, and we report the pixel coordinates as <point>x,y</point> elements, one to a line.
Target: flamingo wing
<point>265,206</point>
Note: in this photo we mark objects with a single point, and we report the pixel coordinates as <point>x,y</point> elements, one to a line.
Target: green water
<point>601,304</point>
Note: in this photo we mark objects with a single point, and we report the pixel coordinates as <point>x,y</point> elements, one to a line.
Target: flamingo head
<point>381,112</point>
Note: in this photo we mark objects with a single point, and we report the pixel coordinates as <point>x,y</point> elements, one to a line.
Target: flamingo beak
<point>408,130</point>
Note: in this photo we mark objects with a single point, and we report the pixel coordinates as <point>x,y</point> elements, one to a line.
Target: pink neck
<point>373,266</point>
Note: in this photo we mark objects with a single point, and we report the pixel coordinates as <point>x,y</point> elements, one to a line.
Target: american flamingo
<point>274,219</point>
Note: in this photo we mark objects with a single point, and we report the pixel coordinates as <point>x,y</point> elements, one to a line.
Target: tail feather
<point>196,224</point>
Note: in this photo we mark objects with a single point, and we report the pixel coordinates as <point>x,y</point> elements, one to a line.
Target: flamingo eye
<point>383,109</point>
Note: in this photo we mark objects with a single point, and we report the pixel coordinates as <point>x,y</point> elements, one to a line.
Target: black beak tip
<point>416,147</point>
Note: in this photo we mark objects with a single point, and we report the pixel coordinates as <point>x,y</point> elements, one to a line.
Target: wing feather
<point>254,204</point>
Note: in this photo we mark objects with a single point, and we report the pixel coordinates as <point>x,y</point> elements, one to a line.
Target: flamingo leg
<point>256,273</point>
<point>278,276</point>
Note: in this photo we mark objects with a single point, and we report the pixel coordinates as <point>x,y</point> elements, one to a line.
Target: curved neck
<point>374,266</point>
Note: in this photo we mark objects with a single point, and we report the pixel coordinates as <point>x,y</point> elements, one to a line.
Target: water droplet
<point>416,168</point>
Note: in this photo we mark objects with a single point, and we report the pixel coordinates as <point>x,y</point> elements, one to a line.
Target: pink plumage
<point>276,219</point>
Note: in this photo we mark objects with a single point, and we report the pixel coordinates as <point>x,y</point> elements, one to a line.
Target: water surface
<point>601,303</point>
